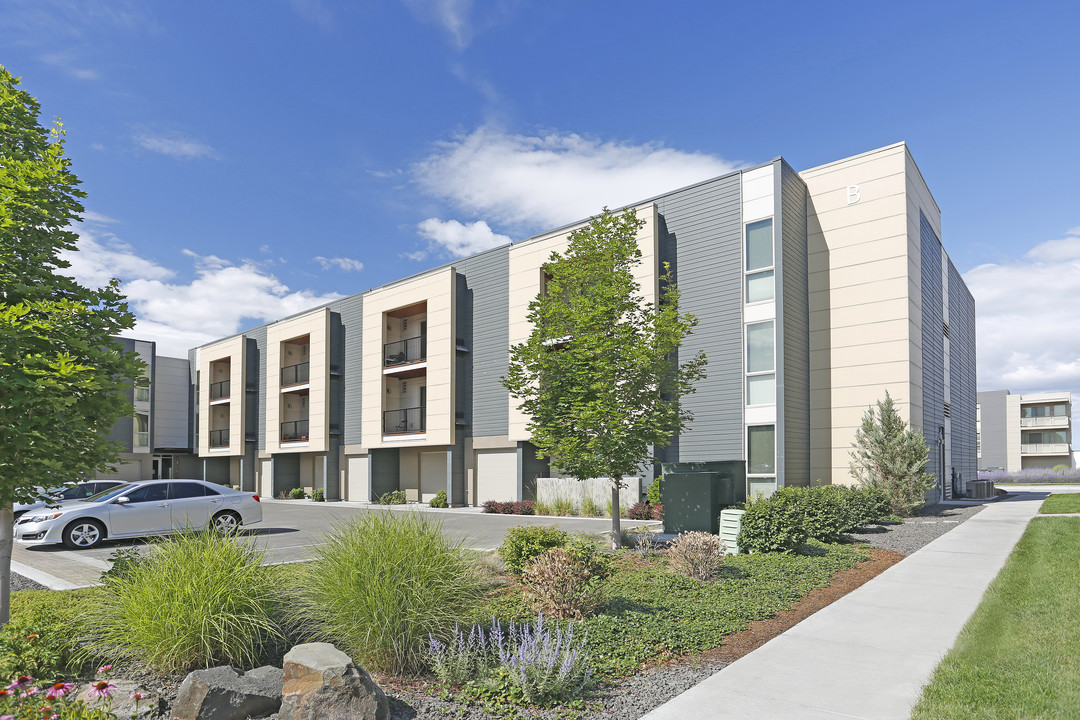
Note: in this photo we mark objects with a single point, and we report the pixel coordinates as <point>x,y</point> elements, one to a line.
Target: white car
<point>153,507</point>
<point>79,491</point>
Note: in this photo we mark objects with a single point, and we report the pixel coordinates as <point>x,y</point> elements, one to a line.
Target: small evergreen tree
<point>889,455</point>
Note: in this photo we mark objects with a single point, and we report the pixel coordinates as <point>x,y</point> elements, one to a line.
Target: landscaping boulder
<point>323,683</point>
<point>224,693</point>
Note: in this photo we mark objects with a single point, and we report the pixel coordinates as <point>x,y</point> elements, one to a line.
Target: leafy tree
<point>599,376</point>
<point>889,455</point>
<point>62,376</point>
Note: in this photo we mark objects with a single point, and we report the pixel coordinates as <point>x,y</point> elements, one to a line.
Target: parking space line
<point>40,576</point>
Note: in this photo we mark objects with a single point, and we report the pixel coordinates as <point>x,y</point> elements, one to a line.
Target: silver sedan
<point>154,507</point>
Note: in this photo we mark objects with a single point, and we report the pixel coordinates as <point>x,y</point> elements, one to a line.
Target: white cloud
<point>1025,320</point>
<point>338,262</point>
<point>67,63</point>
<point>315,12</point>
<point>89,216</point>
<point>451,15</point>
<point>174,145</point>
<point>221,300</point>
<point>461,239</point>
<point>539,182</point>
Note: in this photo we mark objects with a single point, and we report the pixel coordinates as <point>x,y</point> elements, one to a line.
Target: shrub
<point>493,506</point>
<point>122,561</point>
<point>823,510</point>
<point>510,507</point>
<point>297,494</point>
<point>622,510</point>
<point>772,524</point>
<point>394,497</point>
<point>864,506</point>
<point>463,657</point>
<point>589,508</point>
<point>523,507</point>
<point>640,511</point>
<point>525,542</point>
<point>439,501</point>
<point>559,584</point>
<point>318,495</point>
<point>382,585</point>
<point>654,491</point>
<point>696,554</point>
<point>586,549</point>
<point>200,599</point>
<point>562,506</point>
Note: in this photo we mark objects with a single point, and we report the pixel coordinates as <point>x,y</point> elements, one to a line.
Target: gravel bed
<point>18,582</point>
<point>907,537</point>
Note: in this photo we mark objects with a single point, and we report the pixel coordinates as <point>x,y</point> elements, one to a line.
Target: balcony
<point>404,422</point>
<point>295,374</point>
<point>294,431</point>
<point>1044,449</point>
<point>1050,421</point>
<point>403,352</point>
<point>219,438</point>
<point>219,390</point>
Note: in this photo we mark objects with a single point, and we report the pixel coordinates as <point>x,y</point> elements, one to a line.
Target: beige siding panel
<point>233,349</point>
<point>316,326</point>
<point>870,333</point>
<point>852,315</point>
<point>852,356</point>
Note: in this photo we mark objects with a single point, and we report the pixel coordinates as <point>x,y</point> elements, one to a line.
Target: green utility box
<point>691,502</point>
<point>732,474</point>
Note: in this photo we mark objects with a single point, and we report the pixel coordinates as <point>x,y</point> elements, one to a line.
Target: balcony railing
<point>401,422</point>
<point>294,374</point>
<point>1044,449</point>
<point>219,438</point>
<point>219,390</point>
<point>294,431</point>
<point>1047,421</point>
<point>410,350</point>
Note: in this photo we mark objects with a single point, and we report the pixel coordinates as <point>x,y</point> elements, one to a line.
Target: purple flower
<point>102,688</point>
<point>7,717</point>
<point>20,682</point>
<point>104,668</point>
<point>59,690</point>
<point>28,692</point>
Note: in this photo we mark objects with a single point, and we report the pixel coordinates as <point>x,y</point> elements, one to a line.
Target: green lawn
<point>1019,655</point>
<point>1061,503</point>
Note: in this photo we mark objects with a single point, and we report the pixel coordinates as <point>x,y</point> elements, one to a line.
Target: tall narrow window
<point>761,450</point>
<point>760,284</point>
<point>142,430</point>
<point>760,364</point>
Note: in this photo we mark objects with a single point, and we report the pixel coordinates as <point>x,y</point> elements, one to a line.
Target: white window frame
<point>771,269</point>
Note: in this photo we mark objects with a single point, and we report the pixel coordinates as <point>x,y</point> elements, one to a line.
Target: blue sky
<point>246,160</point>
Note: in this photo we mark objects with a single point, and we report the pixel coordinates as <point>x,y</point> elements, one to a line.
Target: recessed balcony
<point>294,431</point>
<point>406,421</point>
<point>405,352</point>
<point>219,391</point>
<point>1045,449</point>
<point>1045,421</point>
<point>219,438</point>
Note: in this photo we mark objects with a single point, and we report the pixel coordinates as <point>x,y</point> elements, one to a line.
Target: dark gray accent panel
<point>350,310</point>
<point>532,467</point>
<point>933,349</point>
<point>255,384</point>
<point>483,322</point>
<point>217,470</point>
<point>963,391</point>
<point>701,236</point>
<point>456,493</point>
<point>385,471</point>
<point>286,473</point>
<point>793,312</point>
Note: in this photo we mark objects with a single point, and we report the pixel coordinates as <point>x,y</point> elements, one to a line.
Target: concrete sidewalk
<point>869,654</point>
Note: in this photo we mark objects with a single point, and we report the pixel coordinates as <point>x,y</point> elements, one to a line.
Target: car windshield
<point>111,493</point>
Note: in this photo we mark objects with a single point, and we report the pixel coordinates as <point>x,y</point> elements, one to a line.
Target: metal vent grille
<point>945,329</point>
<point>948,410</point>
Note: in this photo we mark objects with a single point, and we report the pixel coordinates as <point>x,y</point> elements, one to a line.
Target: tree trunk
<point>616,525</point>
<point>7,539</point>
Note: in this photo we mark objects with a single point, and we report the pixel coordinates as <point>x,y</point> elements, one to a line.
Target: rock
<point>323,683</point>
<point>120,700</point>
<point>223,693</point>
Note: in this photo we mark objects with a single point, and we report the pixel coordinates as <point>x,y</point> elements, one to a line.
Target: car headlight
<point>43,518</point>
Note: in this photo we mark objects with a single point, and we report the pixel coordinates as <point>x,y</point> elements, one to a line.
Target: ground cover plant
<point>1016,657</point>
<point>382,585</point>
<point>199,599</point>
<point>1061,503</point>
<point>43,635</point>
<point>1041,476</point>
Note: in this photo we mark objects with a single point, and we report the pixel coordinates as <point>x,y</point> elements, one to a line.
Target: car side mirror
<point>123,500</point>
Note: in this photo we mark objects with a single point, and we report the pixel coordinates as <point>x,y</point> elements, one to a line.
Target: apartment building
<point>816,292</point>
<point>1021,432</point>
<point>155,440</point>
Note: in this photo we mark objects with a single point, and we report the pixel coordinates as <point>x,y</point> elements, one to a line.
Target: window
<point>142,430</point>
<point>149,493</point>
<point>181,491</point>
<point>760,364</point>
<point>759,261</point>
<point>761,450</point>
<point>142,386</point>
<point>1045,437</point>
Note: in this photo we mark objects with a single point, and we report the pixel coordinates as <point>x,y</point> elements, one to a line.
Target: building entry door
<point>163,467</point>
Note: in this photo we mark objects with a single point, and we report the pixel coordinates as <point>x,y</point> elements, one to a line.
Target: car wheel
<point>226,522</point>
<point>83,534</point>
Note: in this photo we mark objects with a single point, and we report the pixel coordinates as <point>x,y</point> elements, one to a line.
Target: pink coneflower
<point>19,682</point>
<point>102,688</point>
<point>59,690</point>
<point>28,692</point>
<point>137,696</point>
<point>104,668</point>
<point>7,717</point>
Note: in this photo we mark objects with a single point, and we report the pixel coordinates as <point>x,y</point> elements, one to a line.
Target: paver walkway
<point>869,654</point>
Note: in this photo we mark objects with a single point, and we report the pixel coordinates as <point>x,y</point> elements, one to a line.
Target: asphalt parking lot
<point>290,532</point>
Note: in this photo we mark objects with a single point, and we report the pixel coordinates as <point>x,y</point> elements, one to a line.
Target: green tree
<point>62,376</point>
<point>889,455</point>
<point>599,376</point>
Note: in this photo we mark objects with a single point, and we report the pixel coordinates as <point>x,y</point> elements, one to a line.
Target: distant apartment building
<point>816,292</point>
<point>1022,432</point>
<point>155,440</point>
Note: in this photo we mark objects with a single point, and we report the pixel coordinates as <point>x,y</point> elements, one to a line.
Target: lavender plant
<point>464,657</point>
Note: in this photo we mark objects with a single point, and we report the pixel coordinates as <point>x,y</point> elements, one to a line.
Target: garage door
<point>496,475</point>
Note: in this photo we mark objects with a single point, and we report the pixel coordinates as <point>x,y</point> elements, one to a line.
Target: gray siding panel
<point>484,325</point>
<point>172,404</point>
<point>963,390</point>
<point>351,312</point>
<point>701,236</point>
<point>933,350</point>
<point>255,385</point>
<point>793,309</point>
<point>995,436</point>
